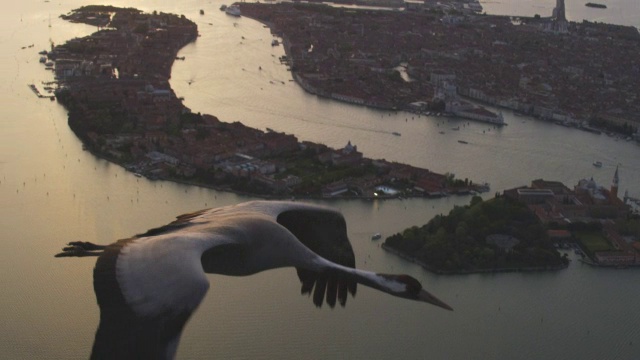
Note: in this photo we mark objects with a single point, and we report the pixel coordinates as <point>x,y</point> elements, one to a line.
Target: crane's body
<point>147,286</point>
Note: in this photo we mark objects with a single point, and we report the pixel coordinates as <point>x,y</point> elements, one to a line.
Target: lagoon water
<point>52,192</point>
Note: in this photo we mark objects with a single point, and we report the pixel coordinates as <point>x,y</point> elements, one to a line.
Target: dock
<point>42,93</point>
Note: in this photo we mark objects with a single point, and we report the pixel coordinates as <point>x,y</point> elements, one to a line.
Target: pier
<point>42,93</point>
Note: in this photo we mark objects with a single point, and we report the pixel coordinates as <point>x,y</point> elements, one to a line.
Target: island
<point>499,234</point>
<point>445,57</point>
<point>524,228</point>
<point>115,87</point>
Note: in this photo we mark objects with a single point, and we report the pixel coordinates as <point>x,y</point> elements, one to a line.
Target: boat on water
<point>396,133</point>
<point>233,10</point>
<point>596,5</point>
<point>376,236</point>
<point>462,142</point>
<point>597,164</point>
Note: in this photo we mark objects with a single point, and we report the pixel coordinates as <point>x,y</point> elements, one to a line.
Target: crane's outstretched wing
<point>147,287</point>
<point>325,233</point>
<point>142,310</point>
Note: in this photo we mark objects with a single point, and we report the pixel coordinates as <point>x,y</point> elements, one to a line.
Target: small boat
<point>376,236</point>
<point>462,142</point>
<point>596,5</point>
<point>396,133</point>
<point>233,10</point>
<point>597,164</point>
<point>275,42</point>
<point>456,128</point>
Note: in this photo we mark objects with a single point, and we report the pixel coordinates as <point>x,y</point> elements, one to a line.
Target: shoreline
<point>469,272</point>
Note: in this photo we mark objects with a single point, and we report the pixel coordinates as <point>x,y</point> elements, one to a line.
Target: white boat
<point>597,164</point>
<point>376,236</point>
<point>233,10</point>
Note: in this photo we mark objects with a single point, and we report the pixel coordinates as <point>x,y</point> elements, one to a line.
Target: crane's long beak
<point>429,298</point>
<point>403,286</point>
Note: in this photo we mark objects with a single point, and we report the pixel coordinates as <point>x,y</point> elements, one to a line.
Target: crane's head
<point>407,287</point>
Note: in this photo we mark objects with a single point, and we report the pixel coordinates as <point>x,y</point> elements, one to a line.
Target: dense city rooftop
<point>550,68</point>
<point>115,86</point>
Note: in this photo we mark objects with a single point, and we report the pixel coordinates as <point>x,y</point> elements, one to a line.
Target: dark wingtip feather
<point>332,288</point>
<point>332,292</point>
<point>319,291</point>
<point>325,233</point>
<point>342,293</point>
<point>307,279</point>
<point>353,286</point>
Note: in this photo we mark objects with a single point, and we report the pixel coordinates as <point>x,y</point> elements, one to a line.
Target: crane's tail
<point>81,249</point>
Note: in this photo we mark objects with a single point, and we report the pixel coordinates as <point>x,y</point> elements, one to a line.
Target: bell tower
<point>559,11</point>
<point>614,185</point>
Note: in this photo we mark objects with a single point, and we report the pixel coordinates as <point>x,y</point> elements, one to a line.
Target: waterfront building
<point>588,201</point>
<point>349,155</point>
<point>436,77</point>
<point>334,189</point>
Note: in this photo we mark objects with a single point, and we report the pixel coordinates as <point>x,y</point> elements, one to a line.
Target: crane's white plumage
<point>148,286</point>
<point>149,266</point>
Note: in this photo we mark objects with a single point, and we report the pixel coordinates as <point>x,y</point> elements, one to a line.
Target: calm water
<point>52,192</point>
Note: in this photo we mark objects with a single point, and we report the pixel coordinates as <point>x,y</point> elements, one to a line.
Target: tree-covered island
<point>500,234</point>
<point>115,86</point>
